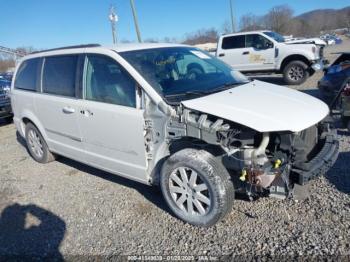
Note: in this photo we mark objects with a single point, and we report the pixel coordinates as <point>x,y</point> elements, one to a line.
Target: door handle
<point>68,110</point>
<point>222,54</point>
<point>86,113</point>
<point>245,53</point>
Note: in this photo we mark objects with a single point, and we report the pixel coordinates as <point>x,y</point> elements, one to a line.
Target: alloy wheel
<point>189,191</point>
<point>296,73</point>
<point>35,143</point>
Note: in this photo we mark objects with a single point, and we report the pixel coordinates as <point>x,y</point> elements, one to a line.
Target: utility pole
<point>232,18</point>
<point>136,21</point>
<point>113,18</point>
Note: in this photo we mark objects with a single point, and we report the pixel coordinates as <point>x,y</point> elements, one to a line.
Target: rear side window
<point>27,75</point>
<point>232,42</point>
<point>59,75</point>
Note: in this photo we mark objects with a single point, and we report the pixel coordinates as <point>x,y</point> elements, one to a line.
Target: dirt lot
<point>66,208</point>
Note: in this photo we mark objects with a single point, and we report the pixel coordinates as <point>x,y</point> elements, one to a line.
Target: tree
<point>6,64</point>
<point>278,18</point>
<point>201,37</point>
<point>250,22</point>
<point>151,40</point>
<point>226,28</point>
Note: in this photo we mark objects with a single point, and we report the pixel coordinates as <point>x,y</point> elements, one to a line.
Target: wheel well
<point>191,142</point>
<point>25,121</point>
<point>291,58</point>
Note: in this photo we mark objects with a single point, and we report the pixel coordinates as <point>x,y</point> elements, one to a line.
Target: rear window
<point>59,75</point>
<point>27,75</point>
<point>232,42</point>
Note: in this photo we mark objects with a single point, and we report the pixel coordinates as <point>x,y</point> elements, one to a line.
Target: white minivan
<point>174,116</point>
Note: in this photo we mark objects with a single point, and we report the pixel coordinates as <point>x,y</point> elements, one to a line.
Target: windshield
<point>180,73</point>
<point>279,38</point>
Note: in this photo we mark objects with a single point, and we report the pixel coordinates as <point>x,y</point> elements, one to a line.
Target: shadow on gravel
<point>339,175</point>
<point>28,232</point>
<point>153,194</point>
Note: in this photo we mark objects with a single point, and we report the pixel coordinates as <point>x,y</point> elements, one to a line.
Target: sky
<point>52,23</point>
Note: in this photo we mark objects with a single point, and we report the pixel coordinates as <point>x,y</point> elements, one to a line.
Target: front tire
<point>196,187</point>
<point>37,146</point>
<point>295,73</point>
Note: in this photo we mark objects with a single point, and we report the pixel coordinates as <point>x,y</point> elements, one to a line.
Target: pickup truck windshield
<point>279,38</point>
<point>180,73</point>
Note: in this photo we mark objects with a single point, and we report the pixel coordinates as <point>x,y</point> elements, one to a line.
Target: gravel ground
<point>66,208</point>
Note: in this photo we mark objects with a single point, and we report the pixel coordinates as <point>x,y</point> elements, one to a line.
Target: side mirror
<point>269,45</point>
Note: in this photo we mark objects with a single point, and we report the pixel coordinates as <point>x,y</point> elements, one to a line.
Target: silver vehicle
<point>174,116</point>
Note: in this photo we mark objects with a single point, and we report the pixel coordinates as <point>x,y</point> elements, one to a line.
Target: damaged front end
<point>290,160</point>
<point>261,163</point>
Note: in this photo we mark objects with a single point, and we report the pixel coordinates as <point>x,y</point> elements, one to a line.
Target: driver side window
<point>106,81</point>
<point>257,41</point>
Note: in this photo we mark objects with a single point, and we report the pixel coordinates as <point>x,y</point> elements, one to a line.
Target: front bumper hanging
<point>320,164</point>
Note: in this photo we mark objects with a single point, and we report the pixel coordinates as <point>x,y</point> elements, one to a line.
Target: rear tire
<point>196,187</point>
<point>295,73</point>
<point>37,146</point>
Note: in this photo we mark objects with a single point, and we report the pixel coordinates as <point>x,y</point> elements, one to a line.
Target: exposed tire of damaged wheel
<point>213,174</point>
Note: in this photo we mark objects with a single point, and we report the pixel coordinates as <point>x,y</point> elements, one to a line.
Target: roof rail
<point>67,47</point>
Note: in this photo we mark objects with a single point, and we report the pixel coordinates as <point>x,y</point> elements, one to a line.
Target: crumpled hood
<point>316,41</point>
<point>263,107</point>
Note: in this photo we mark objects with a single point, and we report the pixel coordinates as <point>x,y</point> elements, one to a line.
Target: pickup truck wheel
<point>295,73</point>
<point>196,187</point>
<point>37,146</point>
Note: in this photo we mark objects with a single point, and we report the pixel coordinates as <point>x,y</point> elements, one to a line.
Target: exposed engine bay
<point>270,163</point>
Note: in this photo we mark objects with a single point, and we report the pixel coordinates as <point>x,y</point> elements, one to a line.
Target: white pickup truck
<point>268,52</point>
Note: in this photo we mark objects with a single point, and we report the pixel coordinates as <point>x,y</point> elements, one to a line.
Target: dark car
<point>345,106</point>
<point>335,87</point>
<point>335,77</point>
<point>5,103</point>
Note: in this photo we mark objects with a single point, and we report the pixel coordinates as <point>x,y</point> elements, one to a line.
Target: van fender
<point>30,116</point>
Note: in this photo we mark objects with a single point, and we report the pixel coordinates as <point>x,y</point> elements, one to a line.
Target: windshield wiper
<point>207,92</point>
<point>225,87</point>
<point>188,93</point>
